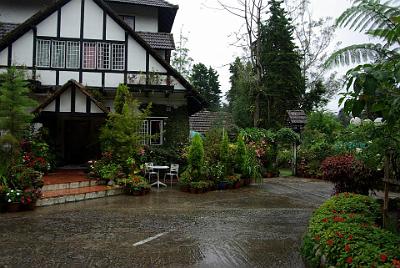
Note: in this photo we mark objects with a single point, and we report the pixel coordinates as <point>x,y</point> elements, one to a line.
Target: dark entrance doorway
<point>77,141</point>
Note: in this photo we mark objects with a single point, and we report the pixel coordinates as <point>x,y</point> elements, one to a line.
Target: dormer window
<point>130,20</point>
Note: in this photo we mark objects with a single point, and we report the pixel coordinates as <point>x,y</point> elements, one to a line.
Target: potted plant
<point>184,182</point>
<point>135,185</point>
<point>13,200</point>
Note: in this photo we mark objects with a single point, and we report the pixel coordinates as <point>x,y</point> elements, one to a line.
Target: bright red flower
<point>325,220</point>
<point>350,237</point>
<point>339,219</point>
<point>317,238</point>
<point>347,248</point>
<point>396,263</point>
<point>339,235</point>
<point>330,242</point>
<point>383,257</point>
<point>349,260</point>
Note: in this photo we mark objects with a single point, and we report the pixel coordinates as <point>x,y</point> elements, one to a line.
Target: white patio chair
<point>148,170</point>
<point>173,172</point>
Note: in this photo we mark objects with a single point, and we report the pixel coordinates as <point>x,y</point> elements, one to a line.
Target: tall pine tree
<point>205,80</point>
<point>282,76</point>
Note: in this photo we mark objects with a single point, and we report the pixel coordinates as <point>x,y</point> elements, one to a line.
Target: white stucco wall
<point>80,102</point>
<point>154,66</point>
<point>94,109</point>
<point>65,102</point>
<point>136,56</point>
<point>91,79</point>
<point>22,50</point>
<point>112,80</point>
<point>48,27</point>
<point>51,107</point>
<point>4,56</point>
<point>64,77</point>
<point>71,19</point>
<point>114,31</point>
<point>146,24</point>
<point>47,78</point>
<point>93,24</point>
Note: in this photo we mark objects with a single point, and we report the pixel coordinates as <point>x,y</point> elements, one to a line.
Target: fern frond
<point>356,54</point>
<point>369,15</point>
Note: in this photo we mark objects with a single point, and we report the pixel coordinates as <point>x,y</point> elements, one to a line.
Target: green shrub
<point>196,158</point>
<point>343,233</point>
<point>349,174</point>
<point>240,157</point>
<point>224,152</point>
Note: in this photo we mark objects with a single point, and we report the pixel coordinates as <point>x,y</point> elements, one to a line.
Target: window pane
<point>89,55</point>
<point>58,54</point>
<point>156,129</point>
<point>118,57</point>
<point>73,55</point>
<point>103,56</point>
<point>144,132</point>
<point>43,53</point>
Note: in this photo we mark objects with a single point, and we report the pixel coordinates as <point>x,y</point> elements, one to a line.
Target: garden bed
<point>344,232</point>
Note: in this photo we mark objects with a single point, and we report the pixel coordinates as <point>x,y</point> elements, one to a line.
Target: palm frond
<point>356,54</point>
<point>369,16</point>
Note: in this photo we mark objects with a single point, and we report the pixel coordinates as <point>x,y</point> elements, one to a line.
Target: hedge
<point>343,233</point>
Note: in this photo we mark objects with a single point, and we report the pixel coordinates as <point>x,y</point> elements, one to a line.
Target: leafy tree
<point>15,116</point>
<point>181,60</point>
<point>240,157</point>
<point>15,103</point>
<point>205,80</point>
<point>121,134</point>
<point>283,80</point>
<point>121,97</point>
<point>241,95</point>
<point>196,158</point>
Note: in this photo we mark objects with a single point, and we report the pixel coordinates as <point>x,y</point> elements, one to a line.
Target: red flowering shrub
<point>349,174</point>
<point>343,233</point>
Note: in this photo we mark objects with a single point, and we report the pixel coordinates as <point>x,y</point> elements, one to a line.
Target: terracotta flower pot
<point>28,207</point>
<point>13,207</point>
<point>237,185</point>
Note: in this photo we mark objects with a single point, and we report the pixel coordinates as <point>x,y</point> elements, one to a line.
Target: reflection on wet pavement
<point>258,226</point>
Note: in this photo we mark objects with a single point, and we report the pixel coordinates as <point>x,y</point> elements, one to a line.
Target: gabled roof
<point>70,84</point>
<point>203,121</point>
<point>297,117</point>
<point>43,14</point>
<point>158,40</point>
<point>6,27</point>
<point>153,3</point>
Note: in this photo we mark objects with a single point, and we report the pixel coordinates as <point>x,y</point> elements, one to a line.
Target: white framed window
<point>103,56</point>
<point>144,132</point>
<point>89,55</point>
<point>58,54</point>
<point>43,53</point>
<point>156,132</point>
<point>73,55</point>
<point>118,56</point>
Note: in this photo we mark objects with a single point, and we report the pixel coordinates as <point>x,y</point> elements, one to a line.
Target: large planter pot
<point>194,190</point>
<point>13,207</point>
<point>28,207</point>
<point>184,188</point>
<point>222,185</point>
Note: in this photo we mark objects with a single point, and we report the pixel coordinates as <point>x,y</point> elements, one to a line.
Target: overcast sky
<point>210,33</point>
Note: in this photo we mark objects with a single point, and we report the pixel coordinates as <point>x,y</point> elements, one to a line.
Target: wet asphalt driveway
<point>257,226</point>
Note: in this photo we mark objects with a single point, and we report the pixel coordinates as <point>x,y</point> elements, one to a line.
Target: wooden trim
<point>81,40</point>
<point>147,67</point>
<point>9,56</point>
<point>58,104</point>
<point>88,105</point>
<point>103,79</point>
<point>126,58</point>
<point>34,30</point>
<point>59,22</point>
<point>104,26</point>
<point>73,99</point>
<point>57,77</point>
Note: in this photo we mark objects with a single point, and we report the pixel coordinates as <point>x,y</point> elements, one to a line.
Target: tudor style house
<point>77,52</point>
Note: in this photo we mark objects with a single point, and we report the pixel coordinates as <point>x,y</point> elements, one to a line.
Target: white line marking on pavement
<point>149,239</point>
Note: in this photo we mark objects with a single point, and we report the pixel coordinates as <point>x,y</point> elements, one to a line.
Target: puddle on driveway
<point>259,226</point>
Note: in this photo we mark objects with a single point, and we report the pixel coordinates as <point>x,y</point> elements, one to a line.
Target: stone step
<point>76,194</point>
<point>65,185</point>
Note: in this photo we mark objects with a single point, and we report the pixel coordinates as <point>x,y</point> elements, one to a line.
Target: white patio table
<point>158,182</point>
